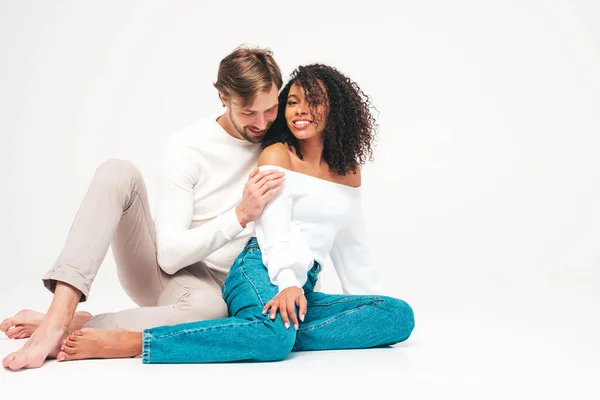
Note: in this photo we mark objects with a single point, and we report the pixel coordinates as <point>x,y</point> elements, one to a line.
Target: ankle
<point>134,340</point>
<point>55,322</point>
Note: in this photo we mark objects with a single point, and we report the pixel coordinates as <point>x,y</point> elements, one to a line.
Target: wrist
<point>241,216</point>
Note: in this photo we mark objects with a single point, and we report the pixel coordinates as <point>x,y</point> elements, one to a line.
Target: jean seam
<point>330,320</point>
<point>375,299</point>
<point>190,331</point>
<point>253,285</point>
<point>146,348</point>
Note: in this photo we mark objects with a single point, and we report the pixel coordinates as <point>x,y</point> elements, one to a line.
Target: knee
<point>277,343</point>
<point>199,306</point>
<point>401,319</point>
<point>117,171</point>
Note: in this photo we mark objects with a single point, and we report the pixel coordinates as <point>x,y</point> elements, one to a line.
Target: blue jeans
<point>331,322</point>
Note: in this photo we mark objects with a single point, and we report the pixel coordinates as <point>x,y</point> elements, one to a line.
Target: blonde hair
<point>247,71</point>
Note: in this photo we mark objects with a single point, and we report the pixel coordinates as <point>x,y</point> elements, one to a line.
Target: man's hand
<point>260,188</point>
<point>284,302</point>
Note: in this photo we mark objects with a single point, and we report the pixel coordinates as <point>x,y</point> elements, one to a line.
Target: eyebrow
<point>270,108</point>
<point>292,95</point>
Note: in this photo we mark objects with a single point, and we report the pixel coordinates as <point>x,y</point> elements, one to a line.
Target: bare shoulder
<point>353,179</point>
<point>276,154</point>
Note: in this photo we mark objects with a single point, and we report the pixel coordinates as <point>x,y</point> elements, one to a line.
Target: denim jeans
<point>331,322</point>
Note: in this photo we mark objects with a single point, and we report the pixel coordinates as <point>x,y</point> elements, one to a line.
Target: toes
<point>70,342</point>
<point>8,359</point>
<point>19,361</point>
<point>62,356</point>
<point>35,361</point>
<point>68,350</point>
<point>78,332</point>
<point>22,335</point>
<point>12,332</point>
<point>7,323</point>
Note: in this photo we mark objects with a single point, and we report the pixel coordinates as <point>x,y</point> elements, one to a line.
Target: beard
<point>242,130</point>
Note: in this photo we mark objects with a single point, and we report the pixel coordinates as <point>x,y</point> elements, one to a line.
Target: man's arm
<point>179,246</point>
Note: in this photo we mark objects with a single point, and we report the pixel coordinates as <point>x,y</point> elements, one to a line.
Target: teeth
<point>302,122</point>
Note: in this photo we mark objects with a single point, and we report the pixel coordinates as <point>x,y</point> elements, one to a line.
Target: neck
<point>312,150</point>
<point>227,125</point>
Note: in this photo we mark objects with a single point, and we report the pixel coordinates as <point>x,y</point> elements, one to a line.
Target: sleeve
<point>351,257</point>
<point>177,245</point>
<point>285,253</point>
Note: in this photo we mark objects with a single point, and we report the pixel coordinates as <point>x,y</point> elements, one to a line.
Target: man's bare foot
<point>44,343</point>
<point>25,322</point>
<point>98,343</point>
<point>46,340</point>
<point>22,324</point>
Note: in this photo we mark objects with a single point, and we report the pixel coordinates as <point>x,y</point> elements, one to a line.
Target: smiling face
<point>303,121</point>
<point>252,122</point>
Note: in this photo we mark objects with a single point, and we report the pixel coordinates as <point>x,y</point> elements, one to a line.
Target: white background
<point>483,202</point>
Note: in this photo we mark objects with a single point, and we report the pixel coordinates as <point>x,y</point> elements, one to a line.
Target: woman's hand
<point>284,302</point>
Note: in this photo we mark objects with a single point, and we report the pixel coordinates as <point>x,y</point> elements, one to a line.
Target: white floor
<point>514,335</point>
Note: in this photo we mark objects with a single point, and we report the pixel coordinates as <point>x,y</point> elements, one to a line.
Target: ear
<point>224,100</point>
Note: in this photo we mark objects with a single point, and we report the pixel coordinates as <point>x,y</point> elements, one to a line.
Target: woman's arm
<point>285,253</point>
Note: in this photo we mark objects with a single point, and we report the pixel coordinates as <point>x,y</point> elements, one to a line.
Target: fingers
<point>271,193</point>
<point>269,182</point>
<point>260,188</point>
<point>286,307</point>
<point>262,183</point>
<point>292,313</point>
<point>255,176</point>
<point>267,306</point>
<point>284,315</point>
<point>260,179</point>
<point>253,173</point>
<point>302,304</point>
<point>269,187</point>
<point>274,307</point>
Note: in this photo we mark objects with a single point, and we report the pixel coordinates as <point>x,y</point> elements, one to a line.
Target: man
<point>209,193</point>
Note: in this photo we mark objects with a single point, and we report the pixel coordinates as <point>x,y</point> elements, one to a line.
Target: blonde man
<point>209,193</point>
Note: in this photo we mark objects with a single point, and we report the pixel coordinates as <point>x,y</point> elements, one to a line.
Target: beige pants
<point>115,212</point>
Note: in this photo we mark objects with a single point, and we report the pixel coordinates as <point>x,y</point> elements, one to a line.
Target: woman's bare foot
<point>25,322</point>
<point>98,343</point>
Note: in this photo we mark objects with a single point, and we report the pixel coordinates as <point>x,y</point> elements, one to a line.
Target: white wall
<point>487,162</point>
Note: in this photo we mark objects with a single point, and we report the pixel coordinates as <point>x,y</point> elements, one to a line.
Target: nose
<point>301,108</point>
<point>261,122</point>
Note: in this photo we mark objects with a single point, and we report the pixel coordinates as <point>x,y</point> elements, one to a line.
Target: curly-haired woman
<point>322,135</point>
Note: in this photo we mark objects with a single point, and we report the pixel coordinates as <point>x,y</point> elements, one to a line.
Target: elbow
<point>167,260</point>
<point>167,265</point>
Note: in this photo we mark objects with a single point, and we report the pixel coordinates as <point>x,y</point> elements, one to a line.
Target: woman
<point>322,135</point>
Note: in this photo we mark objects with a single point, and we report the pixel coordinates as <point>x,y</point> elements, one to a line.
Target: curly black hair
<point>350,129</point>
